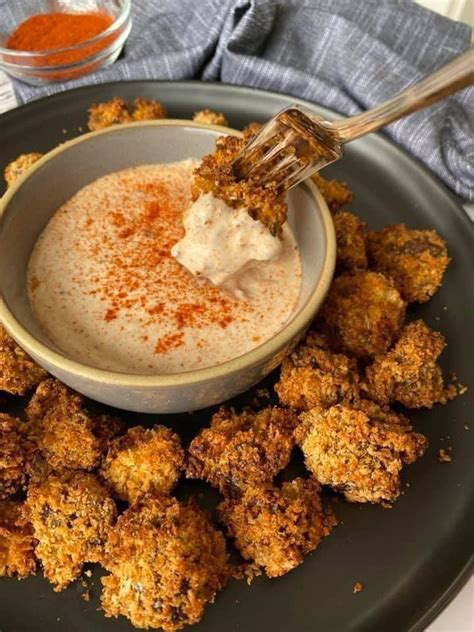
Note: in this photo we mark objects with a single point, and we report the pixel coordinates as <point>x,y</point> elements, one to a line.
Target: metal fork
<point>296,143</point>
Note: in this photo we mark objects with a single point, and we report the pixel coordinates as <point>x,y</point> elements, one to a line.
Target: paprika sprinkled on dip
<point>106,289</point>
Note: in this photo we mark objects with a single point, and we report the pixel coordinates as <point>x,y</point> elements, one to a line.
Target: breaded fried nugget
<point>315,376</point>
<point>12,455</point>
<point>359,451</point>
<point>409,373</point>
<point>143,461</point>
<point>336,193</point>
<point>18,372</point>
<point>276,527</point>
<point>19,166</point>
<point>414,259</point>
<point>209,117</point>
<point>71,515</point>
<point>166,562</point>
<point>17,544</point>
<point>363,314</point>
<point>350,237</point>
<point>214,175</point>
<point>66,434</point>
<point>147,110</point>
<point>114,112</point>
<point>238,451</point>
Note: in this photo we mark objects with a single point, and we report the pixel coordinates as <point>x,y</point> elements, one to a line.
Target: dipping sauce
<point>107,291</point>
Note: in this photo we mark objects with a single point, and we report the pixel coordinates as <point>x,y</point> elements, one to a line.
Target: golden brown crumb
<point>12,455</point>
<point>336,193</point>
<point>71,515</point>
<point>277,527</point>
<point>114,112</point>
<point>444,457</point>
<point>414,259</point>
<point>147,110</point>
<point>357,453</point>
<point>19,166</point>
<point>18,372</point>
<point>363,314</point>
<point>408,373</point>
<point>209,117</point>
<point>166,562</point>
<point>214,175</point>
<point>237,451</point>
<point>315,376</point>
<point>251,129</point>
<point>143,461</point>
<point>17,544</point>
<point>358,587</point>
<point>350,236</point>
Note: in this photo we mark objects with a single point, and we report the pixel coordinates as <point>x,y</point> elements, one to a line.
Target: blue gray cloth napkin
<point>348,55</point>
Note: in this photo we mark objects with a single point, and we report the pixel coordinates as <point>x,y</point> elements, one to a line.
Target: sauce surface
<point>107,291</point>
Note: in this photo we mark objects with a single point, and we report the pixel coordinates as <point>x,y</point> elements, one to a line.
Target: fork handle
<point>454,76</point>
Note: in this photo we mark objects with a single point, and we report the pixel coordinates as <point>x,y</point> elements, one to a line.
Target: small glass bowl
<point>63,64</point>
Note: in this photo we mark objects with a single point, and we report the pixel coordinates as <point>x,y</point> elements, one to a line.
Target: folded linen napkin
<point>344,54</point>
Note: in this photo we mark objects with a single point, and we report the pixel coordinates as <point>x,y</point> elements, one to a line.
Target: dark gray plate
<point>413,558</point>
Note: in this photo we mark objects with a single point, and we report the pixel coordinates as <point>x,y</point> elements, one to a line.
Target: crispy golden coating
<point>114,112</point>
<point>166,562</point>
<point>277,527</point>
<point>414,259</point>
<point>12,455</point>
<point>359,451</point>
<point>350,236</point>
<point>238,451</point>
<point>336,193</point>
<point>143,461</point>
<point>19,166</point>
<point>18,372</point>
<point>363,314</point>
<point>71,515</point>
<point>251,129</point>
<point>214,175</point>
<point>315,376</point>
<point>17,544</point>
<point>67,435</point>
<point>409,373</point>
<point>147,110</point>
<point>209,117</point>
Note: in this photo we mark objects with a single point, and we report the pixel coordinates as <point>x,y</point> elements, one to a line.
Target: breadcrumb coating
<point>18,372</point>
<point>113,112</point>
<point>166,562</point>
<point>359,451</point>
<point>241,450</point>
<point>141,461</point>
<point>415,259</point>
<point>12,455</point>
<point>71,515</point>
<point>363,314</point>
<point>336,193</point>
<point>315,376</point>
<point>409,374</point>
<point>209,117</point>
<point>276,527</point>
<point>350,236</point>
<point>19,166</point>
<point>17,544</point>
<point>215,175</point>
<point>148,110</point>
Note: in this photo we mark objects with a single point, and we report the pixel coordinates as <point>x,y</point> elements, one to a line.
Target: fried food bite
<point>414,259</point>
<point>12,455</point>
<point>18,372</point>
<point>359,451</point>
<point>117,111</point>
<point>209,117</point>
<point>242,450</point>
<point>19,166</point>
<point>166,562</point>
<point>17,544</point>
<point>409,374</point>
<point>315,376</point>
<point>71,515</point>
<point>336,193</point>
<point>143,461</point>
<point>350,237</point>
<point>147,110</point>
<point>276,527</point>
<point>363,314</point>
